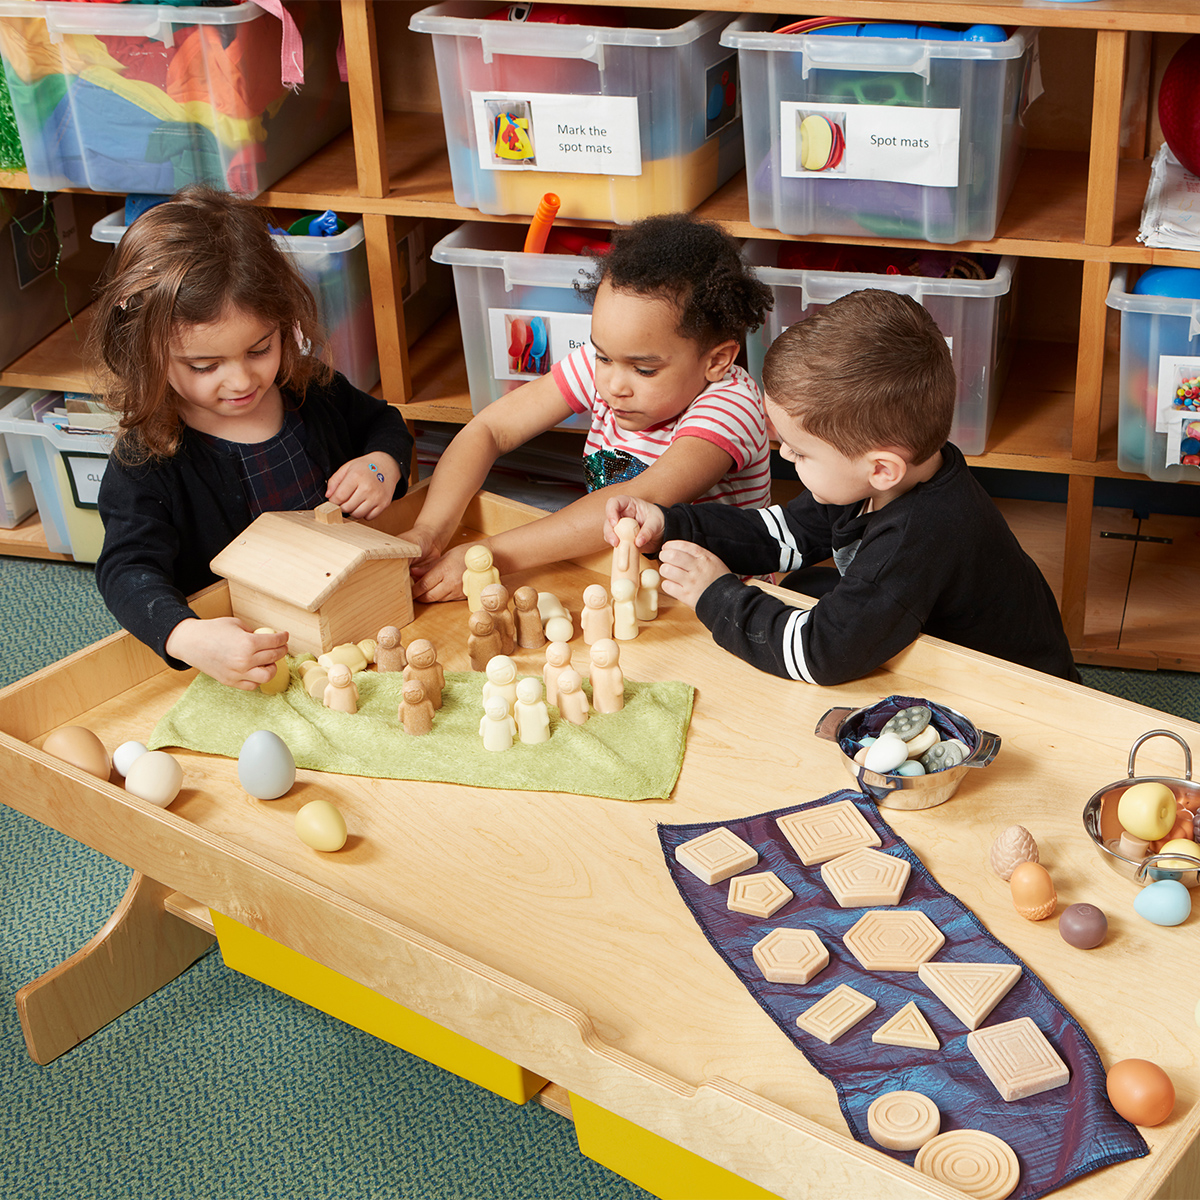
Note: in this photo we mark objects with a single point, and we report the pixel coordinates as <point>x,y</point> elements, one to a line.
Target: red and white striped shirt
<point>728,413</point>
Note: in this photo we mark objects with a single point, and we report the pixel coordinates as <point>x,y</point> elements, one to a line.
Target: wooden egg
<point>1033,891</point>
<point>81,748</point>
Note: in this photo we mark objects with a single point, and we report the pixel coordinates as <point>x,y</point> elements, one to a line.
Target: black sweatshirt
<point>166,520</point>
<point>939,559</point>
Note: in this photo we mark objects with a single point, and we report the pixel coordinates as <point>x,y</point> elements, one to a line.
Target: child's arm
<point>227,650</point>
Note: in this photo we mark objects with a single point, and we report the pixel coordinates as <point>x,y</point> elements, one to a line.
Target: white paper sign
<point>888,142</point>
<point>527,344</point>
<point>1173,372</point>
<point>542,131</point>
<point>85,472</point>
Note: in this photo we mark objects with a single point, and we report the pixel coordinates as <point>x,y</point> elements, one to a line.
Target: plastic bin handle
<point>825,291</point>
<point>845,54</point>
<point>126,20</point>
<point>507,37</point>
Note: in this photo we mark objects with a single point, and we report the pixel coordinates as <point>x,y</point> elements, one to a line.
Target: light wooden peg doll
<point>530,634</point>
<point>608,680</point>
<point>494,599</point>
<point>423,666</point>
<point>501,680</point>
<point>558,655</point>
<point>315,679</point>
<point>389,650</point>
<point>341,693</point>
<point>596,619</point>
<point>646,602</point>
<point>572,699</point>
<point>483,642</point>
<point>626,558</point>
<point>479,573</point>
<point>625,625</point>
<point>416,709</point>
<point>496,726</point>
<point>556,620</point>
<point>530,713</point>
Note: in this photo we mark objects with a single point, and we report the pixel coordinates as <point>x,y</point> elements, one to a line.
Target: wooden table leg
<point>140,948</point>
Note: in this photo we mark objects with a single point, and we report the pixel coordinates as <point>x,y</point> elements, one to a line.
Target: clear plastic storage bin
<point>335,268</point>
<point>64,470</point>
<point>519,312</point>
<point>16,492</point>
<point>1160,350</point>
<point>975,315</point>
<point>147,98</point>
<point>620,123</point>
<point>932,132</point>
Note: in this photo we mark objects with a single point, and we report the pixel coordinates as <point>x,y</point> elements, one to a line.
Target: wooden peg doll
<point>423,666</point>
<point>501,680</point>
<point>558,655</point>
<point>530,635</point>
<point>626,558</point>
<point>646,603</point>
<point>556,621</point>
<point>530,713</point>
<point>497,727</point>
<point>389,650</point>
<point>608,681</point>
<point>479,573</point>
<point>596,619</point>
<point>341,692</point>
<point>625,626</point>
<point>416,709</point>
<point>494,599</point>
<point>483,642</point>
<point>315,679</point>
<point>572,699</point>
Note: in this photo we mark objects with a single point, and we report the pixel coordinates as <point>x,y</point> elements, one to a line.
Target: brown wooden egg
<point>81,748</point>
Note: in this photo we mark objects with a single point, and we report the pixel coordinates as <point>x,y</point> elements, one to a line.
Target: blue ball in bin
<point>1181,282</point>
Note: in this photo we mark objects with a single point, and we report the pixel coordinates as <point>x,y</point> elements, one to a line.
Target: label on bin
<point>888,142</point>
<point>85,471</point>
<point>542,131</point>
<point>527,344</point>
<point>1178,385</point>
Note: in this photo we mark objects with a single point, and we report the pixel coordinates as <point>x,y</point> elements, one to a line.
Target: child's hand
<point>442,578</point>
<point>649,517</point>
<point>687,569</point>
<point>363,487</point>
<point>225,649</point>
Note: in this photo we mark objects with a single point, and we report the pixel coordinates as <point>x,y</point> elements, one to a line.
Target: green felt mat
<point>631,755</point>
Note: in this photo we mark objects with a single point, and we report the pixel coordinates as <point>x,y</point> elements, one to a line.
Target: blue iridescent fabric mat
<point>1057,1136</point>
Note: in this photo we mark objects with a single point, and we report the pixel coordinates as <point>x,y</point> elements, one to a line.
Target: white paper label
<point>1173,373</point>
<point>527,344</point>
<point>541,131</point>
<point>881,141</point>
<point>86,471</point>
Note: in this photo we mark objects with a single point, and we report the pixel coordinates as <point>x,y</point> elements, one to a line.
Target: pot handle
<point>989,747</point>
<point>828,726</point>
<point>1187,753</point>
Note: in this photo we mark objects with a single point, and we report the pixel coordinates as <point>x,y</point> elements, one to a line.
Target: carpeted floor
<point>218,1088</point>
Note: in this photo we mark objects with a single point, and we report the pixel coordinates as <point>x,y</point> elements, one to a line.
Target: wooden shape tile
<point>893,939</point>
<point>716,855</point>
<point>907,1028</point>
<point>865,877</point>
<point>1018,1059</point>
<point>758,895</point>
<point>970,990</point>
<point>903,1120</point>
<point>819,834</point>
<point>790,955</point>
<point>833,1014</point>
<point>979,1164</point>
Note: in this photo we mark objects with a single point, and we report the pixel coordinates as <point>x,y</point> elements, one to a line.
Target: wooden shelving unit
<point>1075,209</point>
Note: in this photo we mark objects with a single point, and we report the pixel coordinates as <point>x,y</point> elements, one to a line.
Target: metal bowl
<point>909,791</point>
<point>1100,821</point>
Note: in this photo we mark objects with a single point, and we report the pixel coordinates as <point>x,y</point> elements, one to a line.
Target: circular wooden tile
<point>979,1164</point>
<point>903,1120</point>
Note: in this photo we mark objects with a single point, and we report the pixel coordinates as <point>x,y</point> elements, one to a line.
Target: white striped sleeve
<point>790,556</point>
<point>793,646</point>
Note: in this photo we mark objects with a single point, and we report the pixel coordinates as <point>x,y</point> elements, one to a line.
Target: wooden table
<point>559,942</point>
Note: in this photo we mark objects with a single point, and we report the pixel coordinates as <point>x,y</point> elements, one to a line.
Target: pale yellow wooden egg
<point>321,826</point>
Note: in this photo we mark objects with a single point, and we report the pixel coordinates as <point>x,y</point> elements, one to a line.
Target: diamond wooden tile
<point>758,895</point>
<point>833,1014</point>
<point>893,939</point>
<point>865,877</point>
<point>903,1120</point>
<point>790,955</point>
<point>970,990</point>
<point>978,1164</point>
<point>819,834</point>
<point>716,855</point>
<point>907,1028</point>
<point>1018,1059</point>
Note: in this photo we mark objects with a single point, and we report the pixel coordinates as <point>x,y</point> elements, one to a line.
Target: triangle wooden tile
<point>969,990</point>
<point>907,1028</point>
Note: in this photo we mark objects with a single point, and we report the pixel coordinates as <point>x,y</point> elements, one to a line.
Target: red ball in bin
<point>1179,104</point>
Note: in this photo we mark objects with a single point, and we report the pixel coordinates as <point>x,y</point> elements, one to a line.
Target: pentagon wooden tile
<point>865,877</point>
<point>893,939</point>
<point>1018,1059</point>
<point>716,855</point>
<point>758,895</point>
<point>833,1014</point>
<point>790,955</point>
<point>907,1028</point>
<point>970,990</point>
<point>819,834</point>
<point>978,1164</point>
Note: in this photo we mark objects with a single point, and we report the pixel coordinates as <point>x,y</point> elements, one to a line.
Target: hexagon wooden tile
<point>790,955</point>
<point>833,1014</point>
<point>865,877</point>
<point>758,895</point>
<point>891,940</point>
<point>716,855</point>
<point>970,990</point>
<point>819,834</point>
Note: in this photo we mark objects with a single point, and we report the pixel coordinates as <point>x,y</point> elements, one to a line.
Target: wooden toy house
<point>323,580</point>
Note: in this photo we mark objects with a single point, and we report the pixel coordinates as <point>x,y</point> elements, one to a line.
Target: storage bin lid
<point>500,247</point>
<point>125,20</point>
<point>1154,305</point>
<point>111,228</point>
